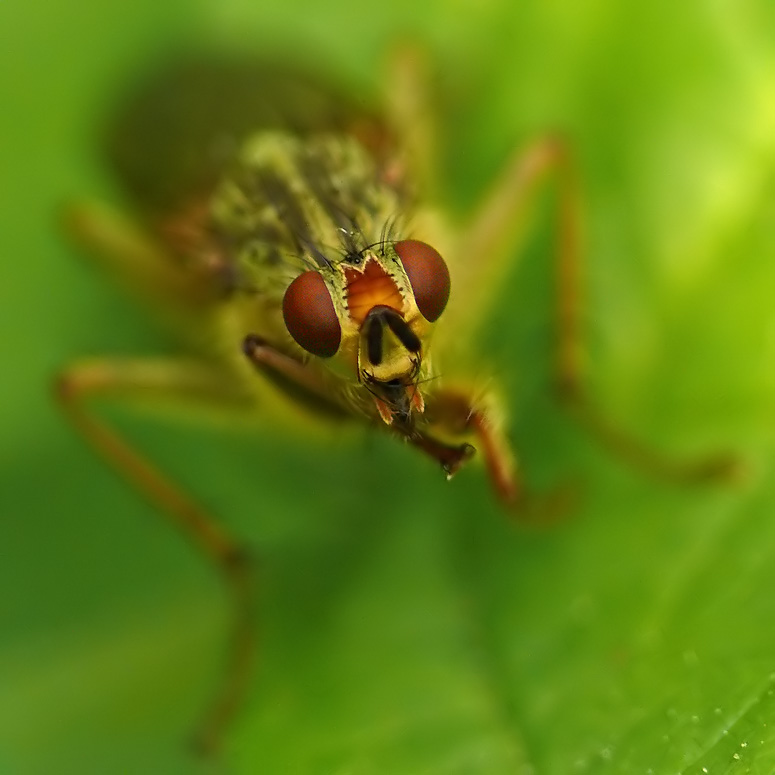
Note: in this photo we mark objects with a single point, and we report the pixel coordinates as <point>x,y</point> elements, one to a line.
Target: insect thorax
<point>297,203</point>
<point>323,203</point>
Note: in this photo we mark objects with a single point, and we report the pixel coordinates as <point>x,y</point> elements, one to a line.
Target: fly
<point>287,234</point>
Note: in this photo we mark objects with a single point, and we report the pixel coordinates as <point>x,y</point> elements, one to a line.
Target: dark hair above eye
<point>428,275</point>
<point>310,316</point>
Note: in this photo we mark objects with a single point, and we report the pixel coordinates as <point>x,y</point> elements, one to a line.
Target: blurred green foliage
<point>410,628</point>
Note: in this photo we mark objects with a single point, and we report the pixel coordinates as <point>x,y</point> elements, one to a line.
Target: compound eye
<point>428,275</point>
<point>310,316</point>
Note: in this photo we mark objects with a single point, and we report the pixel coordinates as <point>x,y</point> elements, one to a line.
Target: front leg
<point>311,389</point>
<point>487,249</point>
<point>458,413</point>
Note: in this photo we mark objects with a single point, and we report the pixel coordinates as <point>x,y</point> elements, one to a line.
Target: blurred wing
<point>177,133</point>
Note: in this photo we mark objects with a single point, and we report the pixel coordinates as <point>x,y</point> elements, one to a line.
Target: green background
<point>407,627</point>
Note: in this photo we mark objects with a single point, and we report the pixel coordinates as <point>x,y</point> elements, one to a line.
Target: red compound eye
<point>310,316</point>
<point>428,275</point>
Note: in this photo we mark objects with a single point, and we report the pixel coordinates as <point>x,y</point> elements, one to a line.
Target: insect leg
<point>485,251</point>
<point>186,381</point>
<point>460,414</point>
<point>142,263</point>
<point>491,236</point>
<point>408,101</point>
<point>309,387</point>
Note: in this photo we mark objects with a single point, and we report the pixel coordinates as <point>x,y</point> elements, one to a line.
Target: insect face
<point>383,299</point>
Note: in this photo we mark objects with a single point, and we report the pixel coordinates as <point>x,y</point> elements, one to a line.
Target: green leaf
<point>406,625</point>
